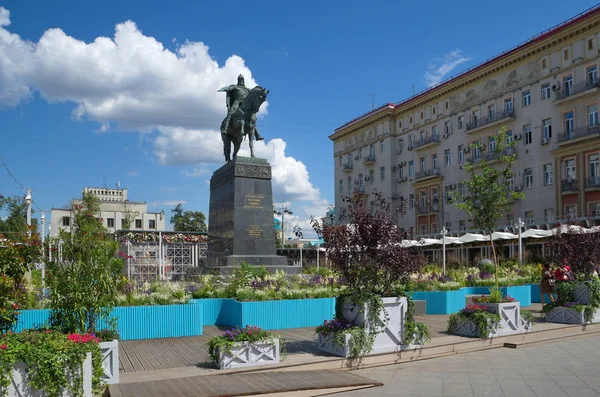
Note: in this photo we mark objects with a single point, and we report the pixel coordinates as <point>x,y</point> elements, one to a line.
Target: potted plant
<point>47,363</point>
<point>365,248</point>
<point>474,320</point>
<point>509,309</point>
<point>245,347</point>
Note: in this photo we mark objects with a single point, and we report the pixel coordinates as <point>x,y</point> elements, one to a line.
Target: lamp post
<point>43,217</point>
<point>520,225</point>
<point>444,232</point>
<point>282,211</point>
<point>28,202</point>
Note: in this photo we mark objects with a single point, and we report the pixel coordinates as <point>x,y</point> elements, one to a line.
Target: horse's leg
<point>238,141</point>
<point>251,141</point>
<point>226,146</point>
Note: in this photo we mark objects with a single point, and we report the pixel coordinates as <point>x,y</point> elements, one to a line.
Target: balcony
<point>577,91</point>
<point>369,159</point>
<point>427,174</point>
<point>578,134</point>
<point>568,186</point>
<point>489,121</point>
<point>592,183</point>
<point>347,167</point>
<point>491,157</point>
<point>426,142</point>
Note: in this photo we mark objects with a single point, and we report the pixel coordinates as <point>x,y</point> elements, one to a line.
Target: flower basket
<point>20,386</point>
<point>249,354</point>
<point>110,361</point>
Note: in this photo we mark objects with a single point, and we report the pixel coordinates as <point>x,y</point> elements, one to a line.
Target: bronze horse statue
<point>243,122</point>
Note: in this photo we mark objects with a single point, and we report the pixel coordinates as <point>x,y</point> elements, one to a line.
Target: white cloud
<point>195,173</point>
<point>440,68</point>
<point>132,82</point>
<point>133,173</point>
<point>168,203</point>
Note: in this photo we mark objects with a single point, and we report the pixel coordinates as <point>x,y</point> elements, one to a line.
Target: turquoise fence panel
<point>521,293</point>
<point>231,314</point>
<point>31,319</point>
<point>442,302</point>
<point>286,314</point>
<point>535,293</point>
<point>211,308</point>
<point>476,290</point>
<point>150,322</point>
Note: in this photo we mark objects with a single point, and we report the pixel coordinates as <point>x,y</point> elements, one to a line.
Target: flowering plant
<point>249,334</point>
<point>486,299</point>
<point>478,314</point>
<point>335,325</point>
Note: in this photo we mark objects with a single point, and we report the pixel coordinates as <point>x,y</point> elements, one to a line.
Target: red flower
<point>3,347</point>
<point>15,306</point>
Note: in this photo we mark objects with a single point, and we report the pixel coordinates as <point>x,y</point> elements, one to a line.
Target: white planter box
<point>19,386</point>
<point>390,336</point>
<point>566,315</point>
<point>244,354</point>
<point>325,343</point>
<point>510,317</point>
<point>469,328</point>
<point>110,361</point>
<point>582,294</point>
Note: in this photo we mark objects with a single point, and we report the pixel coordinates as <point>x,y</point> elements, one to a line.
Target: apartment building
<point>545,92</point>
<point>116,211</point>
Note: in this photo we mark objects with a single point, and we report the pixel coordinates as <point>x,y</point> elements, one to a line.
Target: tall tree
<point>187,221</point>
<point>14,226</point>
<point>490,193</point>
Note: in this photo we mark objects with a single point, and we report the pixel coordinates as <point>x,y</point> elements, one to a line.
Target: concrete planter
<point>110,361</point>
<point>19,386</point>
<point>469,328</point>
<point>244,354</point>
<point>582,294</point>
<point>510,317</point>
<point>326,344</point>
<point>565,315</point>
<point>391,332</point>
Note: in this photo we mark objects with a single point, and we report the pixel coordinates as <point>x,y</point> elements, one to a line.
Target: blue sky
<point>87,97</point>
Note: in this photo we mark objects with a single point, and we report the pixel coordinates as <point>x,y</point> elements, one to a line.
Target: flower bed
<point>577,303</point>
<point>245,347</point>
<point>474,320</point>
<point>49,363</point>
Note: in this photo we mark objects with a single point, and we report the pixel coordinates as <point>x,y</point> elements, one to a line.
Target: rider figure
<point>235,96</point>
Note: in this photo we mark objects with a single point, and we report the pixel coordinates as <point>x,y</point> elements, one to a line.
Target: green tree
<point>14,226</point>
<point>489,194</point>
<point>84,281</point>
<point>187,221</point>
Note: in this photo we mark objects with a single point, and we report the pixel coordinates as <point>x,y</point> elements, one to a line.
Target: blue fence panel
<point>149,322</point>
<point>442,302</point>
<point>211,309</point>
<point>522,293</point>
<point>476,290</point>
<point>535,293</point>
<point>286,314</point>
<point>231,314</point>
<point>32,318</point>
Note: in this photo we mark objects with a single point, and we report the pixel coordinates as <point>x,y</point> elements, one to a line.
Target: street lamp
<point>444,232</point>
<point>28,202</point>
<point>520,225</point>
<point>43,217</point>
<point>282,211</point>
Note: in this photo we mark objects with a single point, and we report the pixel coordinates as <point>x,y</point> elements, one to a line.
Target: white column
<point>444,232</point>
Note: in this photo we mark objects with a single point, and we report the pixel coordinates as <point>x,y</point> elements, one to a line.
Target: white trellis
<point>151,261</point>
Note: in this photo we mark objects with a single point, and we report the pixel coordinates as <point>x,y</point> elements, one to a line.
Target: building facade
<point>545,92</point>
<point>116,211</point>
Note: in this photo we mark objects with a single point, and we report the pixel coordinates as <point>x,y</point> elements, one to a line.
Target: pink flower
<point>3,346</point>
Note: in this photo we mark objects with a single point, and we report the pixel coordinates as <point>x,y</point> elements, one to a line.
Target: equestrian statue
<point>242,106</point>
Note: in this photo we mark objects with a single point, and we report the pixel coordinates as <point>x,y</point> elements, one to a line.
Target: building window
<point>400,173</point>
<point>381,147</point>
<point>349,162</point>
<point>340,160</point>
<point>152,224</point>
<point>461,122</point>
<point>548,175</point>
<point>476,150</point>
<point>509,137</point>
<point>446,105</point>
<point>491,111</point>
<point>110,222</point>
<point>571,212</point>
<point>423,202</point>
<point>447,157</point>
<point>566,55</point>
<point>462,189</point>
<point>382,173</point>
<point>492,144</point>
<point>423,230</point>
<point>526,98</point>
<point>422,162</point>
<point>510,219</point>
<point>595,209</point>
<point>411,140</point>
<point>544,63</point>
<point>410,120</point>
<point>341,186</point>
<point>400,145</point>
<point>590,44</point>
<point>547,128</point>
<point>411,201</point>
<point>433,110</point>
<point>434,160</point>
<point>527,134</point>
<point>462,225</point>
<point>448,226</point>
<point>529,219</point>
<point>511,183</point>
<point>508,105</point>
<point>138,223</point>
<point>66,221</point>
<point>422,136</point>
<point>399,124</point>
<point>372,176</point>
<point>545,91</point>
<point>434,131</point>
<point>475,117</point>
<point>461,154</point>
<point>422,116</point>
<point>528,178</point>
<point>592,74</point>
<point>411,168</point>
<point>360,181</point>
<point>594,166</point>
<point>349,184</point>
<point>434,228</point>
<point>568,84</point>
<point>549,215</point>
<point>569,123</point>
<point>592,112</point>
<point>447,127</point>
<point>570,171</point>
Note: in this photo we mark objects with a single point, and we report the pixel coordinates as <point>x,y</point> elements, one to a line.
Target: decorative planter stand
<point>511,321</point>
<point>244,354</point>
<point>469,328</point>
<point>110,361</point>
<point>567,315</point>
<point>19,386</point>
<point>326,344</point>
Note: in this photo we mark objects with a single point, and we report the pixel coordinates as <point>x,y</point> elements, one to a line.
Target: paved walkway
<point>242,384</point>
<point>567,368</point>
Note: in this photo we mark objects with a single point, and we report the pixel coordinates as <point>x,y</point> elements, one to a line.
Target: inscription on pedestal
<point>254,231</point>
<point>254,201</point>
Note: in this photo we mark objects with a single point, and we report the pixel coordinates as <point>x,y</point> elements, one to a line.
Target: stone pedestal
<point>240,224</point>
